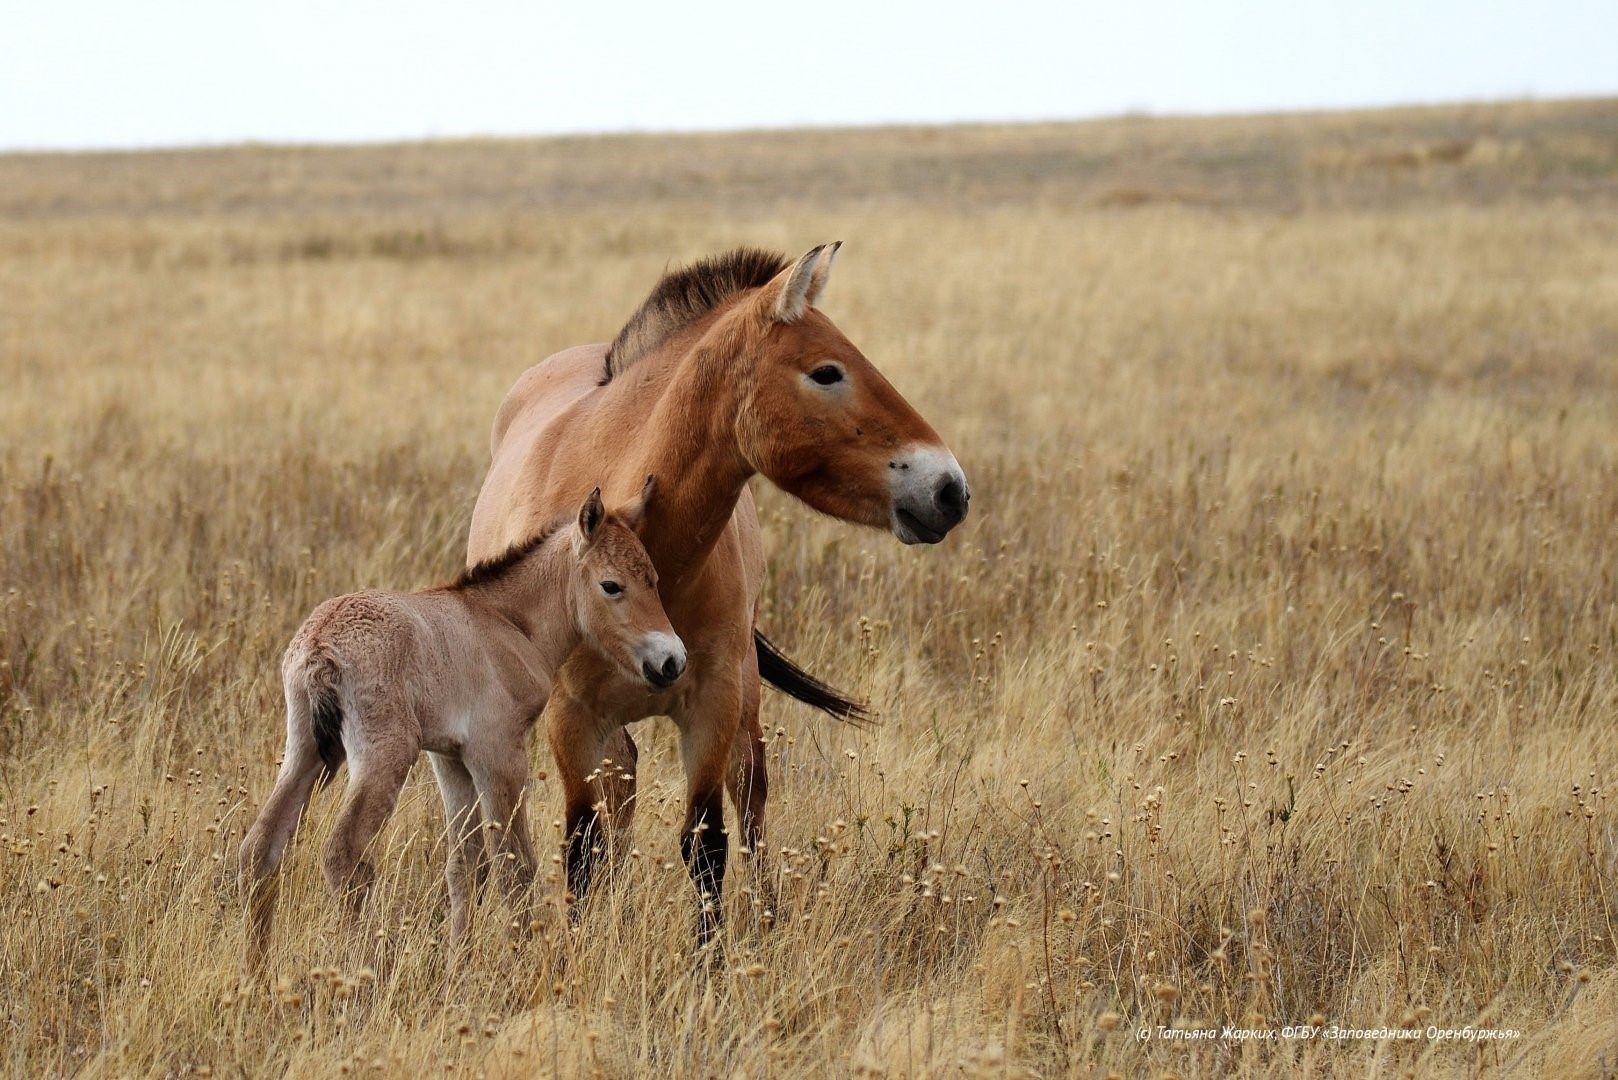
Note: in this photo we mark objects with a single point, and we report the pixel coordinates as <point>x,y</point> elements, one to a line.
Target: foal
<point>460,671</point>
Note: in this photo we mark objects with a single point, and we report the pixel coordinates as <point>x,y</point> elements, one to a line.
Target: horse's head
<point>822,423</point>
<point>615,593</point>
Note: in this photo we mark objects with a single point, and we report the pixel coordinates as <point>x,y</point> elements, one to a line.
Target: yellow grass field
<point>1271,682</point>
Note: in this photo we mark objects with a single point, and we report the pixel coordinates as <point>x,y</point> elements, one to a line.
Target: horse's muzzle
<point>662,659</point>
<point>930,495</point>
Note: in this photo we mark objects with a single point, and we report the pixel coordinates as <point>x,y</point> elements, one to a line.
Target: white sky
<point>122,73</point>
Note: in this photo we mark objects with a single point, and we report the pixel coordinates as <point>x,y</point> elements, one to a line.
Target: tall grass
<point>1271,679</point>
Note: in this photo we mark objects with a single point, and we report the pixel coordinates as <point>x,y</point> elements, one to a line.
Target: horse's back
<point>530,409</point>
<point>545,390</point>
<point>370,636</point>
<point>549,437</point>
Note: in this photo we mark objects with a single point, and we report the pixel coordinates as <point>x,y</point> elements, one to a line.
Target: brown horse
<point>725,371</point>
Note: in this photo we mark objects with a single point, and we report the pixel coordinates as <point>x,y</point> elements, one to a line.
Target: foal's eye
<point>827,374</point>
<point>611,588</point>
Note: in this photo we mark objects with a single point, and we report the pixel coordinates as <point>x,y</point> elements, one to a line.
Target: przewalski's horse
<point>461,672</point>
<point>725,371</point>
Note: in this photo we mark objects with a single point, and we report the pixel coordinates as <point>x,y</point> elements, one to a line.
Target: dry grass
<point>1272,677</point>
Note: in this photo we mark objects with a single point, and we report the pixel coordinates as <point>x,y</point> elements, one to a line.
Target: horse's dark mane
<point>498,566</point>
<point>682,296</point>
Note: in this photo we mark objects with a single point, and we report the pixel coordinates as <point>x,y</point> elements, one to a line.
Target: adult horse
<point>726,370</point>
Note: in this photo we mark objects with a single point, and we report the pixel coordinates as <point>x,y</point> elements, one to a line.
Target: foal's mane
<point>683,296</point>
<point>498,566</point>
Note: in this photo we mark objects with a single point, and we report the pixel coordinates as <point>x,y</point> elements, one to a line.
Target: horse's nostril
<point>665,673</point>
<point>951,498</point>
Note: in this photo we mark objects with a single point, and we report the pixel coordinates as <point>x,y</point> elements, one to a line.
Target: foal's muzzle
<point>662,659</point>
<point>930,494</point>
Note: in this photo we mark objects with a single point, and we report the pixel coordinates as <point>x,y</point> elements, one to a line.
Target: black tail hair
<point>326,718</point>
<point>795,682</point>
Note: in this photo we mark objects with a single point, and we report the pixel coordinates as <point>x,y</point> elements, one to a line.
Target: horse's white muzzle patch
<point>930,494</point>
<point>662,659</point>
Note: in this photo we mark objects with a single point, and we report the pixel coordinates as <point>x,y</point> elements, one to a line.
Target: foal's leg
<point>500,772</point>
<point>577,743</point>
<point>376,772</point>
<point>267,839</point>
<point>707,731</point>
<point>465,868</point>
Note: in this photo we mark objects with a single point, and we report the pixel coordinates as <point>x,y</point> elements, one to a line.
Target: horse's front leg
<point>577,739</point>
<point>708,724</point>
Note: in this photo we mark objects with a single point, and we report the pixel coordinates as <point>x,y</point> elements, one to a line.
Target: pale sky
<point>133,73</point>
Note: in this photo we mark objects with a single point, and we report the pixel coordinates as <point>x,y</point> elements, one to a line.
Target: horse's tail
<point>795,682</point>
<point>320,678</point>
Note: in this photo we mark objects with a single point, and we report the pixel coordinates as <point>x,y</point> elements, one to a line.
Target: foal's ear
<point>635,513</point>
<point>590,516</point>
<point>798,286</point>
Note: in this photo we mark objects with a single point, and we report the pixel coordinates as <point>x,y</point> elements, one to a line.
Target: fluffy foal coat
<point>461,672</point>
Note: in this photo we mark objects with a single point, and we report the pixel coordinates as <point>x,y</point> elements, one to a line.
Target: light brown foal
<point>461,672</point>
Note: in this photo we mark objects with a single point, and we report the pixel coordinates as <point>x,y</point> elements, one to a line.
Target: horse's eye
<point>611,588</point>
<point>827,374</point>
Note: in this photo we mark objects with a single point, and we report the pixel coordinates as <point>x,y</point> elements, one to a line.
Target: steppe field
<point>1271,682</point>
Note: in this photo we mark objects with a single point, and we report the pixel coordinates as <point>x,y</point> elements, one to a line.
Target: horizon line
<point>1142,112</point>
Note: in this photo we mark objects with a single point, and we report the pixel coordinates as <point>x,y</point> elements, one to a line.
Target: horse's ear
<point>635,512</point>
<point>817,280</point>
<point>590,517</point>
<point>798,286</point>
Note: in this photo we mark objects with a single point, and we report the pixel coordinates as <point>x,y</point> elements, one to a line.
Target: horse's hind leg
<point>375,775</point>
<point>466,867</point>
<point>266,842</point>
<point>748,782</point>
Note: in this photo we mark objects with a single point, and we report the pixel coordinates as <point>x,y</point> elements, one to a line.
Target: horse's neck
<point>535,597</point>
<point>699,466</point>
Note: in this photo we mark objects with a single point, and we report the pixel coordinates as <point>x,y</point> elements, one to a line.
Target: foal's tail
<point>326,724</point>
<point>314,680</point>
<point>795,682</point>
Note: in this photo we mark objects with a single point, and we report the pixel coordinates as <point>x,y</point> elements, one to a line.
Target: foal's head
<point>823,424</point>
<point>615,593</point>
